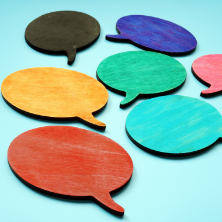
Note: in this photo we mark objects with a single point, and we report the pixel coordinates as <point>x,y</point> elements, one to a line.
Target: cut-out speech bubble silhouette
<point>208,70</point>
<point>174,125</point>
<point>62,32</point>
<point>55,94</point>
<point>153,33</point>
<point>69,162</point>
<point>137,73</point>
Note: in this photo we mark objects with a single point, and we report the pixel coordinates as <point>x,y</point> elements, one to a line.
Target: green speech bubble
<point>141,73</point>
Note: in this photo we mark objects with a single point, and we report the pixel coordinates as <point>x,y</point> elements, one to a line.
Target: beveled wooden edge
<point>149,49</point>
<point>65,119</point>
<point>171,155</point>
<point>146,96</point>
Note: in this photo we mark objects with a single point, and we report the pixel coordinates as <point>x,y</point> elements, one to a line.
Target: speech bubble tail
<point>116,37</point>
<point>130,97</point>
<point>211,90</point>
<point>106,201</point>
<point>71,53</point>
<point>89,119</point>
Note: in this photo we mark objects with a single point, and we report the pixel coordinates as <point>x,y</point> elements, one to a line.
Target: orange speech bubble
<point>69,162</point>
<point>53,93</point>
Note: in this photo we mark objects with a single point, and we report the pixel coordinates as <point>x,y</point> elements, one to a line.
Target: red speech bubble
<point>208,70</point>
<point>70,162</point>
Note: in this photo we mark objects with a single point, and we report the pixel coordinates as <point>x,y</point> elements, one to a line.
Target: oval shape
<point>70,162</point>
<point>207,69</point>
<point>141,73</point>
<point>174,125</point>
<point>54,93</point>
<point>148,32</point>
<point>62,31</point>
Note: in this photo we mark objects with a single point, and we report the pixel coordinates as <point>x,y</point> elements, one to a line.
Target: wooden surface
<point>208,69</point>
<point>70,162</point>
<point>140,73</point>
<point>174,125</point>
<point>62,32</point>
<point>54,93</point>
<point>153,33</point>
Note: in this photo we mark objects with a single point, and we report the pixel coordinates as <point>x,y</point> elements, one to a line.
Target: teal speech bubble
<point>137,73</point>
<point>174,125</point>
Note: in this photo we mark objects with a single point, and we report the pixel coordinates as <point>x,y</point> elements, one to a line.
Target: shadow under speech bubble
<point>150,33</point>
<point>207,69</point>
<point>62,32</point>
<point>139,73</point>
<point>55,94</point>
<point>71,163</point>
<point>174,126</point>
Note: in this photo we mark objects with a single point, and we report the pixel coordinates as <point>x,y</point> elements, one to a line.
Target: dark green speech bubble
<point>141,73</point>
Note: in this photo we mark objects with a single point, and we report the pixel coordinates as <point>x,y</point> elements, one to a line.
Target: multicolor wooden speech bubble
<point>174,125</point>
<point>153,33</point>
<point>141,73</point>
<point>208,70</point>
<point>62,32</point>
<point>69,162</point>
<point>55,94</point>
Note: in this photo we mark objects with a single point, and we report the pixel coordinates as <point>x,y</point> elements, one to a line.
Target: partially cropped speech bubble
<point>69,162</point>
<point>174,125</point>
<point>62,32</point>
<point>55,94</point>
<point>141,73</point>
<point>153,33</point>
<point>208,70</point>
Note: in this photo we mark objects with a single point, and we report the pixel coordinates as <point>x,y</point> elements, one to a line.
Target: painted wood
<point>137,73</point>
<point>55,94</point>
<point>62,32</point>
<point>174,125</point>
<point>208,70</point>
<point>72,163</point>
<point>156,34</point>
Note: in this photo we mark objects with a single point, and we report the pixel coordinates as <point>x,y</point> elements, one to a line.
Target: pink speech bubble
<point>208,70</point>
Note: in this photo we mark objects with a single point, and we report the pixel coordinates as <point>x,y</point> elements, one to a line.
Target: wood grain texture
<point>62,32</point>
<point>137,73</point>
<point>208,70</point>
<point>174,125</point>
<point>53,93</point>
<point>156,34</point>
<point>72,163</point>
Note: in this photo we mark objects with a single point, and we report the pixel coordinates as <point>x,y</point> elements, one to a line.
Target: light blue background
<point>161,190</point>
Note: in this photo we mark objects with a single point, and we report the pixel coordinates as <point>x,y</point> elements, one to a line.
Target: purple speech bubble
<point>153,33</point>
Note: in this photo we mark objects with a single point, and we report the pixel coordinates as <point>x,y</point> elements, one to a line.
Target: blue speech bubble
<point>174,125</point>
<point>153,33</point>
